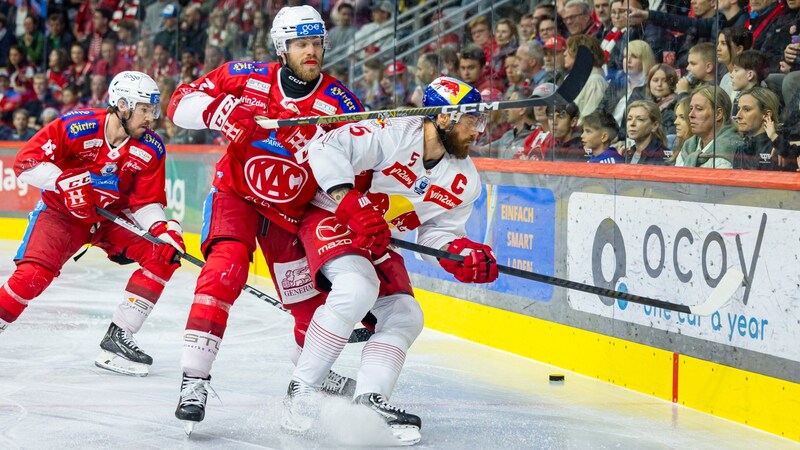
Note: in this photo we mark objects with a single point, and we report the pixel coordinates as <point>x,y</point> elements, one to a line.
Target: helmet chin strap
<point>124,122</point>
<point>443,134</point>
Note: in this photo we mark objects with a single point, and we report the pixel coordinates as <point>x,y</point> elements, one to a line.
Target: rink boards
<point>663,232</point>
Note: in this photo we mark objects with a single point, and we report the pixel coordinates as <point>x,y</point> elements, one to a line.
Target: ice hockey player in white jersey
<point>423,179</point>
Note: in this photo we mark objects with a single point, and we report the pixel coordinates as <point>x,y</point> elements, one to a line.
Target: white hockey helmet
<point>134,87</point>
<point>294,22</point>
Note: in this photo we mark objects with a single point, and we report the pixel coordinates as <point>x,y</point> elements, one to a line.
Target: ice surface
<point>469,396</point>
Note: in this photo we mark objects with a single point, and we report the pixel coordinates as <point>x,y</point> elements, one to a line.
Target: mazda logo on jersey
<point>329,229</point>
<point>275,179</point>
<point>82,128</point>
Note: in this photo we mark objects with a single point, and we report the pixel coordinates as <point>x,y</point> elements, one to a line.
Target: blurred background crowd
<point>700,83</point>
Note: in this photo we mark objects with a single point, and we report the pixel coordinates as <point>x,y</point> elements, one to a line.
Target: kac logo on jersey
<point>154,142</point>
<point>421,185</point>
<point>275,179</point>
<point>346,100</point>
<point>79,112</point>
<point>311,29</point>
<point>82,128</point>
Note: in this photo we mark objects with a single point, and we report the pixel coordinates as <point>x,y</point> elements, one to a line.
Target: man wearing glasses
<point>577,15</point>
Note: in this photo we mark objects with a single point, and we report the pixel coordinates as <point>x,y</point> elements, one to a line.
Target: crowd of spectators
<point>669,75</point>
<point>709,83</point>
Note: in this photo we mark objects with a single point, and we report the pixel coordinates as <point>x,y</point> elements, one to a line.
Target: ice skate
<point>405,427</point>
<point>121,354</point>
<point>192,404</point>
<point>338,385</point>
<point>299,410</point>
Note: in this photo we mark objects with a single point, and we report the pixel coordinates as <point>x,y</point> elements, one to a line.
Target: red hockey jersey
<point>274,176</point>
<point>129,176</point>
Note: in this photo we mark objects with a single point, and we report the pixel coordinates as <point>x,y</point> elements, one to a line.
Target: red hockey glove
<point>479,265</point>
<point>296,138</point>
<point>172,234</point>
<point>75,188</point>
<point>228,115</point>
<point>363,219</point>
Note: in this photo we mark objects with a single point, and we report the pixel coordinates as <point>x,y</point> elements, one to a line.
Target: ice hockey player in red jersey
<point>422,180</point>
<point>262,185</point>
<point>108,158</point>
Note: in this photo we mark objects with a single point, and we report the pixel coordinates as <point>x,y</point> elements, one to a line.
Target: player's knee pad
<point>400,314</point>
<point>225,271</point>
<point>29,280</point>
<point>354,287</point>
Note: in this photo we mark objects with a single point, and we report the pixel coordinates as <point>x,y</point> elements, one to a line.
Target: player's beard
<point>305,72</point>
<point>458,147</point>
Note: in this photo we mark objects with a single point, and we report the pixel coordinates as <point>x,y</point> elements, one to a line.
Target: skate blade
<point>188,427</point>
<point>406,434</point>
<point>118,364</point>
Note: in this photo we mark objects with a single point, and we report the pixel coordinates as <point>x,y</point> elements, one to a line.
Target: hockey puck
<point>556,378</point>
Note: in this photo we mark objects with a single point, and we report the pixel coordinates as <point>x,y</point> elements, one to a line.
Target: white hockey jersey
<point>436,202</point>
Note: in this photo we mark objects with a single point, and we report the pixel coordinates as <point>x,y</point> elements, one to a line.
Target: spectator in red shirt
<point>20,71</point>
<point>70,99</point>
<point>98,97</point>
<point>57,74</point>
<point>94,42</point>
<point>190,66</point>
<point>163,64</point>
<point>471,70</point>
<point>80,69</point>
<point>111,62</point>
<point>126,47</point>
<point>144,55</point>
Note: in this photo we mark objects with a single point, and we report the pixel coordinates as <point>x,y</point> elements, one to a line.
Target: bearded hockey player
<point>261,187</point>
<point>107,158</point>
<point>423,180</point>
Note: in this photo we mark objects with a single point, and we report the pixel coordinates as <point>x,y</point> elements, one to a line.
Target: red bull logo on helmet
<point>451,88</point>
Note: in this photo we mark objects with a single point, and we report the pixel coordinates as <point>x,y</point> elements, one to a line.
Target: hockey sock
<point>208,319</point>
<point>143,290</point>
<point>381,361</point>
<point>325,339</point>
<point>220,282</point>
<point>27,282</point>
<point>399,322</point>
<point>354,289</point>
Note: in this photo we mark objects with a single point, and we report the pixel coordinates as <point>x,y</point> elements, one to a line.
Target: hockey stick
<point>730,282</point>
<point>566,93</point>
<point>359,335</point>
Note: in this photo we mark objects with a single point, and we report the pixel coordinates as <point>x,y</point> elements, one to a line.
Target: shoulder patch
<point>240,67</point>
<point>347,101</point>
<point>80,128</point>
<point>77,113</point>
<point>152,140</point>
